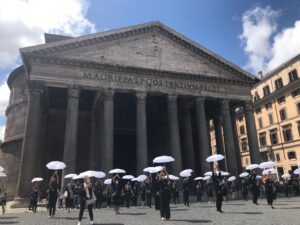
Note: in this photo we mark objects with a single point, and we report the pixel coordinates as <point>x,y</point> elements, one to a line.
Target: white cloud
<point>4,98</point>
<point>23,22</point>
<point>2,130</point>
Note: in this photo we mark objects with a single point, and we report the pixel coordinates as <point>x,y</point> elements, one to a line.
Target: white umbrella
<point>252,167</point>
<point>224,173</point>
<point>71,175</point>
<point>258,177</point>
<point>265,172</point>
<point>163,159</point>
<point>172,177</point>
<point>1,169</point>
<point>128,177</point>
<point>92,173</point>
<point>186,173</point>
<point>267,165</point>
<point>117,171</point>
<point>232,178</point>
<point>244,174</point>
<point>141,178</point>
<point>148,169</point>
<point>2,174</point>
<point>297,171</point>
<point>37,179</point>
<point>100,174</point>
<point>107,181</point>
<point>56,165</point>
<point>206,177</point>
<point>209,173</point>
<point>198,178</point>
<point>156,169</point>
<point>76,177</point>
<point>286,176</point>
<point>214,158</point>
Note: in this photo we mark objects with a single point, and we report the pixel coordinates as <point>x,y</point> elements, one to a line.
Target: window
<point>271,121</point>
<point>280,171</point>
<point>296,92</point>
<point>298,107</point>
<point>258,110</point>
<point>256,97</point>
<point>262,139</point>
<point>268,106</point>
<point>242,129</point>
<point>293,75</point>
<point>292,155</point>
<point>266,90</point>
<point>281,99</point>
<point>260,123</point>
<point>278,83</point>
<point>244,145</point>
<point>277,157</point>
<point>273,137</point>
<point>298,124</point>
<point>287,133</point>
<point>282,113</point>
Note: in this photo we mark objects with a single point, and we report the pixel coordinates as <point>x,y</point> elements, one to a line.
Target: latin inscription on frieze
<point>151,82</point>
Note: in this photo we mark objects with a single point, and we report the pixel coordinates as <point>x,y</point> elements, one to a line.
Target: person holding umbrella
<point>198,190</point>
<point>269,188</point>
<point>149,191</point>
<point>218,183</point>
<point>185,187</point>
<point>53,194</point>
<point>253,187</point>
<point>34,198</point>
<point>116,197</point>
<point>164,195</point>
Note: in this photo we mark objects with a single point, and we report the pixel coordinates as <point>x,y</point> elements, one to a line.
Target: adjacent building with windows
<point>276,102</point>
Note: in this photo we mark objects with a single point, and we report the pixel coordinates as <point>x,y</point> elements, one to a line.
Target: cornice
<point>135,70</point>
<point>89,40</point>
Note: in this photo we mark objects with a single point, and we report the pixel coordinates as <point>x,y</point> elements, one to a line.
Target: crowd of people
<point>85,194</point>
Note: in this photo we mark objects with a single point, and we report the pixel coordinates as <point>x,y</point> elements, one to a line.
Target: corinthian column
<point>174,133</point>
<point>141,132</point>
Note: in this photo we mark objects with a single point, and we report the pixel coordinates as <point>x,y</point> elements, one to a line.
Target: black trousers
<point>164,205</point>
<point>98,202</point>
<point>186,198</point>
<point>270,197</point>
<point>254,195</point>
<point>199,196</point>
<point>89,207</point>
<point>219,201</point>
<point>33,204</point>
<point>127,200</point>
<point>52,206</point>
<point>149,197</point>
<point>157,202</point>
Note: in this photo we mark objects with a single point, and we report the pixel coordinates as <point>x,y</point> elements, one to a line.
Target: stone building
<point>118,99</point>
<point>276,100</point>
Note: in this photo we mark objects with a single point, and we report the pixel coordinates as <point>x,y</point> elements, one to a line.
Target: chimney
<point>260,75</point>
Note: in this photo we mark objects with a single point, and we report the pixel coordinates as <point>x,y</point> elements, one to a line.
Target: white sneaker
<point>79,223</point>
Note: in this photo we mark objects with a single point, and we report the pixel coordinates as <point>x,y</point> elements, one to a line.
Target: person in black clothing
<point>134,194</point>
<point>34,199</point>
<point>53,194</point>
<point>218,182</point>
<point>149,191</point>
<point>86,200</point>
<point>269,189</point>
<point>164,195</point>
<point>76,189</point>
<point>116,197</point>
<point>286,187</point>
<point>198,191</point>
<point>127,192</point>
<point>244,188</point>
<point>98,193</point>
<point>143,193</point>
<point>185,187</point>
<point>253,187</point>
<point>69,197</point>
<point>155,188</point>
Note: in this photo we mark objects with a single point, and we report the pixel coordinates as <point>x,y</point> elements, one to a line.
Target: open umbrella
<point>214,158</point>
<point>206,177</point>
<point>2,174</point>
<point>163,159</point>
<point>267,165</point>
<point>117,171</point>
<point>186,173</point>
<point>1,169</point>
<point>297,171</point>
<point>273,171</point>
<point>252,167</point>
<point>37,179</point>
<point>244,174</point>
<point>172,177</point>
<point>76,177</point>
<point>156,169</point>
<point>286,176</point>
<point>232,178</point>
<point>107,181</point>
<point>92,173</point>
<point>198,178</point>
<point>141,178</point>
<point>56,165</point>
<point>224,173</point>
<point>209,173</point>
<point>148,169</point>
<point>128,177</point>
<point>71,175</point>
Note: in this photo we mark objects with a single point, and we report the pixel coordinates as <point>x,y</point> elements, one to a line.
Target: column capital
<point>225,104</point>
<point>200,102</point>
<point>35,87</point>
<point>74,92</point>
<point>108,94</point>
<point>248,106</point>
<point>141,96</point>
<point>172,98</point>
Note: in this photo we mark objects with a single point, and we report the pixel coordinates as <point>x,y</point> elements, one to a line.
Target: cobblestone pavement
<point>286,212</point>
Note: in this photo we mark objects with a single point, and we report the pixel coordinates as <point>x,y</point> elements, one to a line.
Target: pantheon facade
<point>118,99</point>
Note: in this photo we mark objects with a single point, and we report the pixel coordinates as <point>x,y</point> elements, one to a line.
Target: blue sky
<point>247,33</point>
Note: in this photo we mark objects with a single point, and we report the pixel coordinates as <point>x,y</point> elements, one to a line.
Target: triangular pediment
<point>150,46</point>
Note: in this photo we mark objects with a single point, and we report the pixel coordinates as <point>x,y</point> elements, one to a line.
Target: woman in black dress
<point>218,183</point>
<point>253,187</point>
<point>185,187</point>
<point>198,191</point>
<point>127,192</point>
<point>34,199</point>
<point>149,191</point>
<point>209,190</point>
<point>164,195</point>
<point>69,197</point>
<point>98,193</point>
<point>143,193</point>
<point>269,189</point>
<point>87,199</point>
<point>116,197</point>
<point>53,194</point>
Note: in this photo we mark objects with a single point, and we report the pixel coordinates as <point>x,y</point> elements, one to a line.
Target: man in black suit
<point>218,186</point>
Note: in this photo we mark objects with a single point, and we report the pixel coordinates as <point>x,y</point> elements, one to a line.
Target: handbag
<point>92,200</point>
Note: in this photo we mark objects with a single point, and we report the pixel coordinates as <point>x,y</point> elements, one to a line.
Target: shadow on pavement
<point>247,213</point>
<point>133,214</point>
<point>192,221</point>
